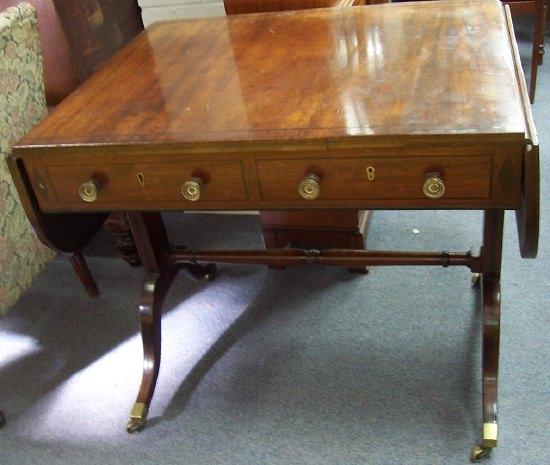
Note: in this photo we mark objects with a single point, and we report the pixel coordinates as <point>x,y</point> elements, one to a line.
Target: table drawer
<point>467,177</point>
<point>145,182</point>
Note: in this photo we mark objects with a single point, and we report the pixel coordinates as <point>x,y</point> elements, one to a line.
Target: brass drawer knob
<point>434,188</point>
<point>310,187</point>
<point>89,191</point>
<point>191,190</point>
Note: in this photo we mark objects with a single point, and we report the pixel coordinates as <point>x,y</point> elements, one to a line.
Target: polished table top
<point>319,74</point>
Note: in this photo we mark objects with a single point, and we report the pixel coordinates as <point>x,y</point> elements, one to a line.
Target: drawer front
<point>148,182</point>
<point>376,178</point>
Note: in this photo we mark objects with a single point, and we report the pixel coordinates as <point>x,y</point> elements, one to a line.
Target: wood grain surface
<point>437,69</point>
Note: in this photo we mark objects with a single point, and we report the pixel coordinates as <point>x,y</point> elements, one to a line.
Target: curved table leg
<point>491,339</point>
<point>153,248</point>
<point>154,290</point>
<point>490,304</point>
<point>155,254</point>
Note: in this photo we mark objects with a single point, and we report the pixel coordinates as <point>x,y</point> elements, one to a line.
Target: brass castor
<point>479,453</point>
<point>211,271</point>
<point>138,417</point>
<point>134,425</point>
<point>476,279</point>
<point>2,419</point>
<point>199,272</point>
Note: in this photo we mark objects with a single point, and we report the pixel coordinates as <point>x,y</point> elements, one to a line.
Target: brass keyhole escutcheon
<point>310,187</point>
<point>89,191</point>
<point>370,173</point>
<point>434,188</point>
<point>141,179</point>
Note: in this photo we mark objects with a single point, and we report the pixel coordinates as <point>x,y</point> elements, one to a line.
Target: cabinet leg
<point>83,272</point>
<point>154,290</point>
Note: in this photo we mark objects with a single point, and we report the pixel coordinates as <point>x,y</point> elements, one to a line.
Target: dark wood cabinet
<point>96,29</point>
<point>303,228</point>
<point>256,6</point>
<point>78,37</point>
<point>59,71</point>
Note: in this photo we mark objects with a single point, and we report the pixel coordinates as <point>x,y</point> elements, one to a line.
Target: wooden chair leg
<point>83,272</point>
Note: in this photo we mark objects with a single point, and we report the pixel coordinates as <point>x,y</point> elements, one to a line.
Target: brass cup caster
<point>480,453</point>
<point>211,271</point>
<point>476,279</point>
<point>138,418</point>
<point>135,425</point>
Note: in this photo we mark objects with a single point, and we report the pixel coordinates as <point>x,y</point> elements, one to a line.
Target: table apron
<point>387,178</point>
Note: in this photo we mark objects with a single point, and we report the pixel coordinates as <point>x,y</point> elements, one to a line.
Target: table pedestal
<point>162,262</point>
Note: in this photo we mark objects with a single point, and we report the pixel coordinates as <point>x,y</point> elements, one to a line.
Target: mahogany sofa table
<point>397,106</point>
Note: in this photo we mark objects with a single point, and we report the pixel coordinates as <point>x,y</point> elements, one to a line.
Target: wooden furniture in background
<point>77,38</point>
<point>96,29</point>
<point>257,6</point>
<point>342,229</point>
<point>412,140</point>
<point>536,8</point>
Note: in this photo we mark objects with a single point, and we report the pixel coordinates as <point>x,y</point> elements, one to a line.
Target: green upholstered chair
<point>22,106</point>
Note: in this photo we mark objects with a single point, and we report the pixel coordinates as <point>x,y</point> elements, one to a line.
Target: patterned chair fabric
<point>22,105</point>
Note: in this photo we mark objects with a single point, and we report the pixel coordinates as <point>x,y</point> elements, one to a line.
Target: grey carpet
<point>302,366</point>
